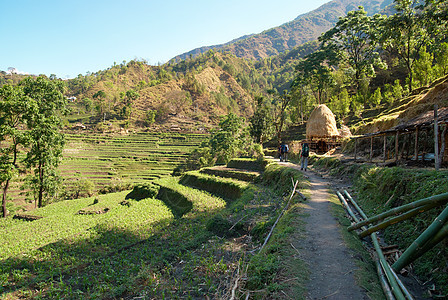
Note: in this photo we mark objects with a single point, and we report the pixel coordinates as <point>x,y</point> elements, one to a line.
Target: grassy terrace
<point>131,158</point>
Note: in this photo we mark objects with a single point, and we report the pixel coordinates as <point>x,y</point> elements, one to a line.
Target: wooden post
<point>442,146</point>
<point>371,149</point>
<point>356,144</point>
<point>384,148</point>
<point>416,145</point>
<point>436,138</point>
<point>396,146</point>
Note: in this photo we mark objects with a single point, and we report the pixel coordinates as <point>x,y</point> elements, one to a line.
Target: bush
<point>143,191</point>
<point>248,164</point>
<point>226,188</point>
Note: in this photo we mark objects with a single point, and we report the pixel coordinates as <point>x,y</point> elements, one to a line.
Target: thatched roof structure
<point>321,124</point>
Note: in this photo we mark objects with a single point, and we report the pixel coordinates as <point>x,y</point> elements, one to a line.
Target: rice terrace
<point>306,161</point>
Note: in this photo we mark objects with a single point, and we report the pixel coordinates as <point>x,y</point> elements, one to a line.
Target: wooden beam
<point>396,145</point>
<point>416,145</point>
<point>436,138</point>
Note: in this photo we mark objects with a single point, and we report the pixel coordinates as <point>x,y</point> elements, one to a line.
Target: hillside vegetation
<point>181,243</point>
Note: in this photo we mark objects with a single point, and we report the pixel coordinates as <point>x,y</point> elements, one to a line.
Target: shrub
<point>226,188</point>
<point>248,164</point>
<point>143,191</point>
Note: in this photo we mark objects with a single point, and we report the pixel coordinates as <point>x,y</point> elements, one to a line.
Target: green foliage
<point>222,227</point>
<point>223,187</point>
<point>143,191</point>
<point>248,164</point>
<point>79,188</point>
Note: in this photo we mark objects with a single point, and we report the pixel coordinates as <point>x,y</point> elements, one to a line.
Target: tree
<point>14,106</point>
<point>260,123</point>
<point>228,139</point>
<point>354,38</point>
<point>405,33</point>
<point>101,97</point>
<point>315,72</point>
<point>129,97</point>
<point>46,139</point>
<point>280,104</point>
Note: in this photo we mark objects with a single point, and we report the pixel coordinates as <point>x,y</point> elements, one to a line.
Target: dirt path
<point>330,261</point>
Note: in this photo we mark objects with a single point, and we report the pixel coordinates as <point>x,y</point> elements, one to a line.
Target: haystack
<point>321,124</point>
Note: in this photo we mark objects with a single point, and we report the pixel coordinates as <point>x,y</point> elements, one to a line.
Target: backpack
<point>305,151</point>
<point>285,148</point>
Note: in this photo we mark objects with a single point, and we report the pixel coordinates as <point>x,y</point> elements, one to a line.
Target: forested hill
<point>304,28</point>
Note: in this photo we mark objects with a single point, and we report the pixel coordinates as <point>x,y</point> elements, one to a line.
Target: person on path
<point>284,149</point>
<point>304,156</point>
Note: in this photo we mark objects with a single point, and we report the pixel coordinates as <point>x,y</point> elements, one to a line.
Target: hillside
<point>303,29</point>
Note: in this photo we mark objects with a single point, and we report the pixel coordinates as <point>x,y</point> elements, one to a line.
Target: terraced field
<point>109,160</point>
<point>184,243</point>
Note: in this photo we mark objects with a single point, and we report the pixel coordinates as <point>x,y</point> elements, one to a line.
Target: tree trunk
<point>41,185</point>
<point>5,189</point>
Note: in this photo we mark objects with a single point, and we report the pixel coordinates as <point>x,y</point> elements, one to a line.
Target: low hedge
<point>248,164</point>
<point>223,187</point>
<point>239,175</point>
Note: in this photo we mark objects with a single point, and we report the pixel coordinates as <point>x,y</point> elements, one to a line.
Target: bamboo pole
<point>440,236</point>
<point>397,219</point>
<point>436,138</point>
<point>355,204</point>
<point>371,149</point>
<point>384,148</point>
<point>427,235</point>
<point>402,286</point>
<point>383,279</point>
<point>356,146</point>
<point>349,210</point>
<point>437,198</point>
<point>387,269</point>
<point>442,146</point>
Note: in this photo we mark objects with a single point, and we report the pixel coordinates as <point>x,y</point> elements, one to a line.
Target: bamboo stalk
<point>441,198</point>
<point>427,235</point>
<point>403,288</point>
<point>440,236</point>
<point>390,277</point>
<point>388,271</point>
<point>355,204</point>
<point>383,279</point>
<point>436,138</point>
<point>349,210</point>
<point>397,219</point>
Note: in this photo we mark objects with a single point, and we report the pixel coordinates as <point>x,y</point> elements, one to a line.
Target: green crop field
<point>107,160</point>
<point>185,243</point>
<point>132,158</point>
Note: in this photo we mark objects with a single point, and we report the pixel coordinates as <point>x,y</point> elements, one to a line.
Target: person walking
<point>284,149</point>
<point>304,156</point>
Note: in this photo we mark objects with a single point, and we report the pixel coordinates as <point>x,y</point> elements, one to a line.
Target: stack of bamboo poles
<point>435,233</point>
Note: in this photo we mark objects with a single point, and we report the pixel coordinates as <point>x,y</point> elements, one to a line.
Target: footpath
<point>331,263</point>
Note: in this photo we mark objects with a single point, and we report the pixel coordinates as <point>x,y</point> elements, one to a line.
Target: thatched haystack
<point>321,124</point>
<point>345,132</point>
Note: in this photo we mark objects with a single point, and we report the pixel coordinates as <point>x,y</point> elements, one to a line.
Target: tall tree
<point>260,122</point>
<point>405,33</point>
<point>14,106</point>
<point>355,39</point>
<point>46,139</point>
<point>315,72</point>
<point>280,105</point>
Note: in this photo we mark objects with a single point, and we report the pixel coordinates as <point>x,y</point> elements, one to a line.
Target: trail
<point>331,263</point>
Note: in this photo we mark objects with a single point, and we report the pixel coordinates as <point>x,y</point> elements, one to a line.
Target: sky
<point>71,37</point>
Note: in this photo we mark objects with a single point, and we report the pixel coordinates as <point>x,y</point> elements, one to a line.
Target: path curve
<point>331,263</point>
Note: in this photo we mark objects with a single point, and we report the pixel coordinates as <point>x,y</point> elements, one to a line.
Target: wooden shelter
<point>321,131</point>
<point>423,123</point>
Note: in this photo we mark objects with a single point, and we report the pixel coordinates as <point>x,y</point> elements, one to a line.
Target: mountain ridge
<point>304,28</point>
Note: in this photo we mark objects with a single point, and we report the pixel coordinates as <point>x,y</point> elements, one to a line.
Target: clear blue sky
<point>71,37</point>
